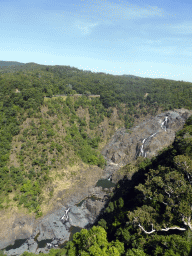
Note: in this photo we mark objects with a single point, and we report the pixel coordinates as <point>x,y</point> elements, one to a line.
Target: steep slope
<point>51,146</point>
<point>54,156</point>
<point>144,140</point>
<point>84,215</point>
<point>151,213</point>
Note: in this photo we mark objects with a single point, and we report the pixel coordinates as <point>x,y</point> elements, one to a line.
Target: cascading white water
<point>142,153</point>
<point>110,178</point>
<point>65,216</point>
<point>152,135</point>
<point>164,123</point>
<point>163,126</point>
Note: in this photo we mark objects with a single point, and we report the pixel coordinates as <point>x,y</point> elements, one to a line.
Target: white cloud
<point>182,28</point>
<point>85,27</point>
<point>104,10</point>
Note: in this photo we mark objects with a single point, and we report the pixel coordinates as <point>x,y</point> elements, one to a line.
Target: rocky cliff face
<point>146,139</point>
<point>55,228</point>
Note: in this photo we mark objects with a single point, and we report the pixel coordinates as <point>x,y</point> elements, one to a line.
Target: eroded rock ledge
<point>146,139</point>
<point>154,134</point>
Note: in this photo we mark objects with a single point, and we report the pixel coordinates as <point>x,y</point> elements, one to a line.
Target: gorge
<point>145,139</point>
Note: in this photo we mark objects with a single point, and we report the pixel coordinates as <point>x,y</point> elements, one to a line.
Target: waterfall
<point>142,152</point>
<point>65,216</point>
<point>164,124</point>
<point>152,135</point>
<point>110,178</point>
<point>49,245</point>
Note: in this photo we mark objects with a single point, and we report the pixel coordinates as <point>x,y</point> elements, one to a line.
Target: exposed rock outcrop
<point>30,245</point>
<point>57,228</point>
<point>146,139</point>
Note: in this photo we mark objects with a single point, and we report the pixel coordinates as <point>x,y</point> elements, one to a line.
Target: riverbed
<point>51,232</point>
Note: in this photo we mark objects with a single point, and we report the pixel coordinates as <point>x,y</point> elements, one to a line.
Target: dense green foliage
<point>83,144</point>
<point>157,198</point>
<point>13,110</point>
<point>22,97</point>
<point>149,215</point>
<point>156,218</point>
<point>147,93</point>
<point>43,145</point>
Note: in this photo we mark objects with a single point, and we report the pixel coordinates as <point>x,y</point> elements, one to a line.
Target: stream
<point>142,152</point>
<point>55,229</point>
<point>65,221</point>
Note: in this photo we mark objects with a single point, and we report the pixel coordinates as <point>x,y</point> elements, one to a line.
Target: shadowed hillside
<point>50,145</point>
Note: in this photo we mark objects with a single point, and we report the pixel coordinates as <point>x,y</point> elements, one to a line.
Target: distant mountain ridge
<point>10,63</point>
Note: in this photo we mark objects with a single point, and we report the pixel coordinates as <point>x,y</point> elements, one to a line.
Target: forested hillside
<point>33,127</point>
<point>10,64</point>
<point>149,215</point>
<point>42,135</point>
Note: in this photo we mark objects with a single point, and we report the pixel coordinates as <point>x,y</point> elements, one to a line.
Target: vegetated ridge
<point>39,138</point>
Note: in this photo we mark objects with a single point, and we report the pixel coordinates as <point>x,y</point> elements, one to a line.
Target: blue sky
<point>144,38</point>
